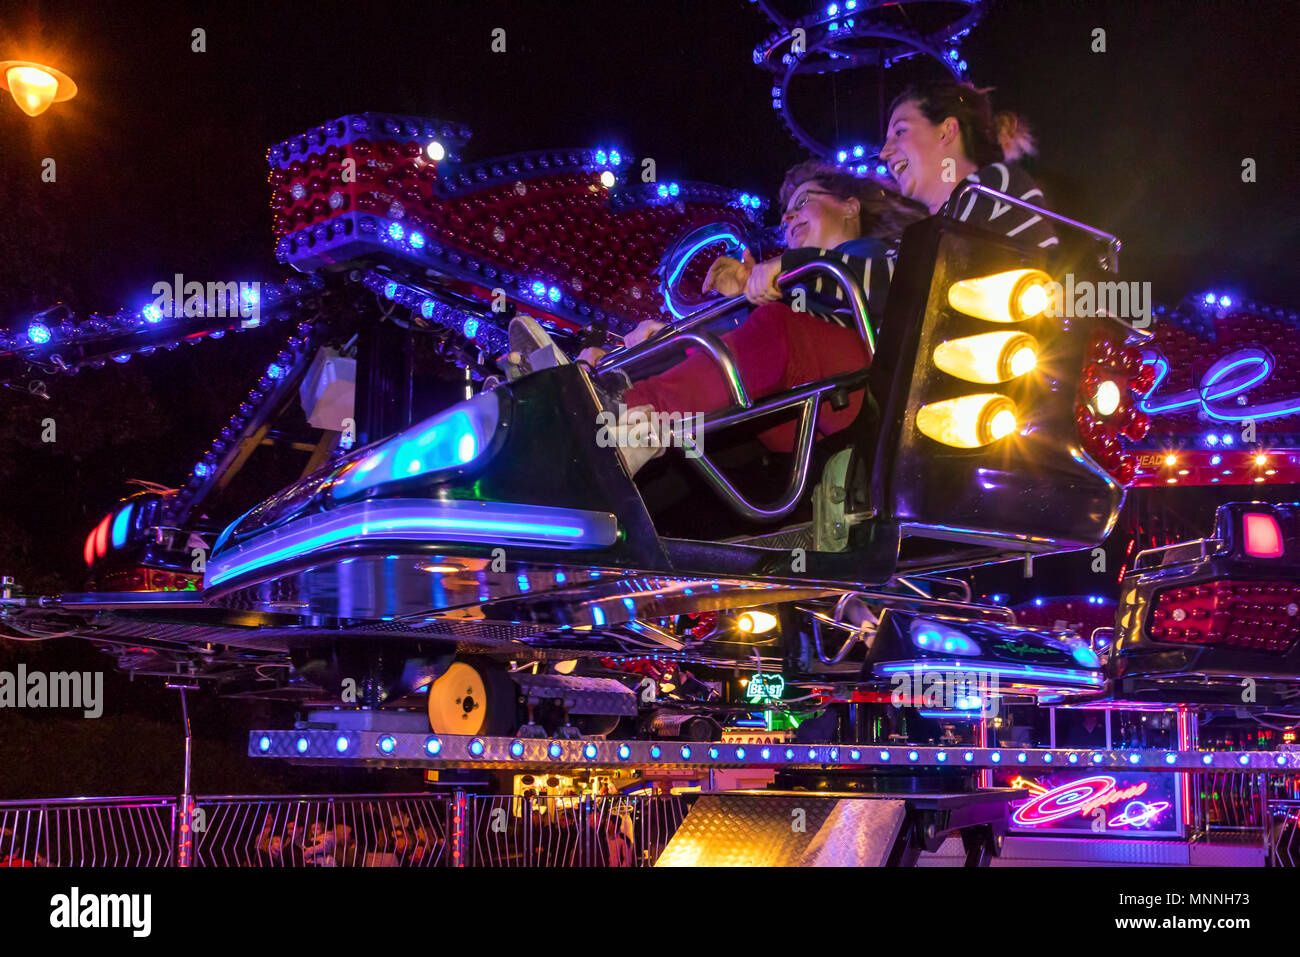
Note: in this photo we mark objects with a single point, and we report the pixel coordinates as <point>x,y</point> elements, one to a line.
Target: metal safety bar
<point>798,481</point>
<point>883,598</point>
<point>1113,244</point>
<point>807,399</point>
<point>668,336</point>
<point>1202,545</point>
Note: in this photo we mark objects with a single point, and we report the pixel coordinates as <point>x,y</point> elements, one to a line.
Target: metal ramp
<point>820,829</point>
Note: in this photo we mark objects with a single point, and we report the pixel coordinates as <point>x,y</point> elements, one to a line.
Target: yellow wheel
<point>473,696</point>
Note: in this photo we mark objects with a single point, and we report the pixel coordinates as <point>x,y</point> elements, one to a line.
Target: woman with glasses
<point>778,346</point>
<point>938,136</point>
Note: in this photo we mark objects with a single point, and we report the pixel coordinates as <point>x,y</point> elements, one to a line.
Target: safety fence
<point>88,832</point>
<point>608,831</point>
<point>1282,794</point>
<point>356,830</point>
<point>364,830</point>
<point>469,830</point>
<point>1226,801</point>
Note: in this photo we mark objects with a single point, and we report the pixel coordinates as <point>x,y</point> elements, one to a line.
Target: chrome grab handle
<point>798,475</point>
<point>626,355</point>
<point>1110,264</point>
<point>1201,543</point>
<point>808,398</point>
<point>710,343</point>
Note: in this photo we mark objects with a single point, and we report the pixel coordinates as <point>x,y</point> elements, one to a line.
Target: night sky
<point>161,155</point>
<point>161,164</point>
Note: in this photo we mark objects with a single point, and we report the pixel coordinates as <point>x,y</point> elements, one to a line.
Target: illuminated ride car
<point>504,529</point>
<point>133,549</point>
<point>945,658</point>
<point>505,512</point>
<point>1214,620</point>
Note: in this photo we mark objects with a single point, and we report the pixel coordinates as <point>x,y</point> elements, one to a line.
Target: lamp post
<point>34,86</point>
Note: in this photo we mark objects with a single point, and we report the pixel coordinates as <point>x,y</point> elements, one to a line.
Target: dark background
<point>161,169</point>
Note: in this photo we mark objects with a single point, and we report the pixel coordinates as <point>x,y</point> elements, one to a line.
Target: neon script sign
<point>1084,796</point>
<point>1230,378</point>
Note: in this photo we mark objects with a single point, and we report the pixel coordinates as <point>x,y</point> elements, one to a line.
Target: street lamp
<point>34,86</point>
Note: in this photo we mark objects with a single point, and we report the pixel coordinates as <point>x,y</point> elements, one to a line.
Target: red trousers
<point>776,349</point>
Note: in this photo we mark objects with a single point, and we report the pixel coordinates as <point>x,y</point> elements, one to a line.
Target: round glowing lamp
<point>35,87</point>
<point>1107,398</point>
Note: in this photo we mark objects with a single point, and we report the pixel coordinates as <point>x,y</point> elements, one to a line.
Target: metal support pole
<point>982,740</point>
<point>384,376</point>
<point>1186,740</point>
<point>456,830</point>
<point>185,825</point>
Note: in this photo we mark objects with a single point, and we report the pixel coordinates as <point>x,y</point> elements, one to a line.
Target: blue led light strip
<point>416,521</point>
<point>423,749</point>
<point>275,301</point>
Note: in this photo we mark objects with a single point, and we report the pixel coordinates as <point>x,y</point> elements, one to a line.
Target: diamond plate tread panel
<point>784,540</point>
<point>589,695</point>
<point>1229,855</point>
<point>858,833</point>
<point>1020,850</point>
<point>755,831</point>
<point>1065,852</point>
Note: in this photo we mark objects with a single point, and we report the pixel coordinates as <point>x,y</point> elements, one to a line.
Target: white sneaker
<point>531,349</point>
<point>637,440</point>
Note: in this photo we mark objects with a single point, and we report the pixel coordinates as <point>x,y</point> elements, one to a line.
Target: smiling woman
<point>945,133</point>
<point>828,213</point>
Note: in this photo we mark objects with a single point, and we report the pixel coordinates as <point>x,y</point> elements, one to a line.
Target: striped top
<point>1011,221</point>
<point>867,260</point>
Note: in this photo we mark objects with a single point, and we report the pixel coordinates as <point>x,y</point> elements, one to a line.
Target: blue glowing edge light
<point>678,258</point>
<point>1000,669</point>
<point>416,521</point>
<point>453,438</point>
<point>121,526</point>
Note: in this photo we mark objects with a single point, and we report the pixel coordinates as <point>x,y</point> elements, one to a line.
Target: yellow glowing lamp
<point>755,622</point>
<point>35,87</point>
<point>607,179</point>
<point>1010,296</point>
<point>988,358</point>
<point>435,151</point>
<point>969,421</point>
